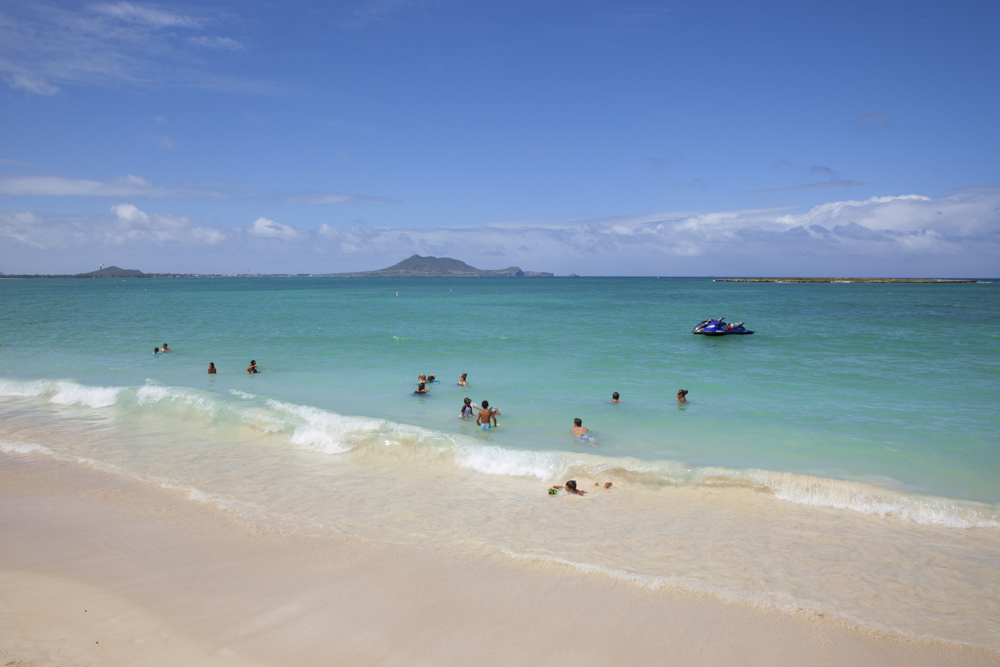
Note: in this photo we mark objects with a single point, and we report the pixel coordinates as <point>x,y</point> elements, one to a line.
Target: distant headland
<point>417,266</point>
<point>412,267</point>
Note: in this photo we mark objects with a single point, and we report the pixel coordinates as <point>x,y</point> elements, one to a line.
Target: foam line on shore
<point>329,433</point>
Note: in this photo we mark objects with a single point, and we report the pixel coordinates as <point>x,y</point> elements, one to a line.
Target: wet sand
<point>99,569</point>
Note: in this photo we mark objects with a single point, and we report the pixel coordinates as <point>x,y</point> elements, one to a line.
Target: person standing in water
<point>211,368</point>
<point>682,396</point>
<point>252,368</point>
<point>614,398</point>
<point>166,349</point>
<point>578,428</point>
<point>421,389</point>
<point>462,381</point>
<point>466,409</point>
<point>484,417</point>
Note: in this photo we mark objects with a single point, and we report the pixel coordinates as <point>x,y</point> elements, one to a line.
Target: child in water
<point>466,409</point>
<point>571,488</point>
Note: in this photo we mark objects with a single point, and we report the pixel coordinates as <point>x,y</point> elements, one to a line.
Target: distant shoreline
<point>527,274</point>
<point>845,280</point>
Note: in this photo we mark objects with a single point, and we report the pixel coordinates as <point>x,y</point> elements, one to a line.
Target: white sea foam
<point>24,389</point>
<point>242,394</point>
<point>838,494</point>
<point>70,393</point>
<point>61,392</point>
<point>326,432</point>
<point>24,448</point>
<point>492,460</point>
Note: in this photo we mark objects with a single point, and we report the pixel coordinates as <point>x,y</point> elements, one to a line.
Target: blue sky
<point>627,138</point>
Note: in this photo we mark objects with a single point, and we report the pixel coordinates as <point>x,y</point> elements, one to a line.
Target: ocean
<point>843,460</point>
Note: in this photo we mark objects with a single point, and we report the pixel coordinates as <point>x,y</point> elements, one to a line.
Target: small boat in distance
<point>720,327</point>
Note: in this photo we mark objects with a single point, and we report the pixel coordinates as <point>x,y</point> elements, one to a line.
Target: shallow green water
<point>897,383</point>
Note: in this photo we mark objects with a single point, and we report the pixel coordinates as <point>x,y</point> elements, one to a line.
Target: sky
<point>589,137</point>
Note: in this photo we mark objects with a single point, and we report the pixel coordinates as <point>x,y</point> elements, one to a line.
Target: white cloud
<point>269,229</point>
<point>147,15</point>
<point>126,186</point>
<point>908,235</point>
<point>217,43</point>
<point>47,46</point>
<point>130,226</point>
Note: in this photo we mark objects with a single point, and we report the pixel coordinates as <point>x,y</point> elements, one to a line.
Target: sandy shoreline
<point>99,569</point>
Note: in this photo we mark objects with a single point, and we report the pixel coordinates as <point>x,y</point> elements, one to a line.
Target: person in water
<point>462,381</point>
<point>211,368</point>
<point>466,409</point>
<point>430,379</point>
<point>156,350</point>
<point>421,389</point>
<point>166,349</point>
<point>252,368</point>
<point>571,487</point>
<point>484,417</point>
<point>614,398</point>
<point>578,428</point>
<point>682,396</point>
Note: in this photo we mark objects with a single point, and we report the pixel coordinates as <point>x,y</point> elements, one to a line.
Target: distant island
<point>843,280</point>
<point>417,266</point>
<point>412,267</point>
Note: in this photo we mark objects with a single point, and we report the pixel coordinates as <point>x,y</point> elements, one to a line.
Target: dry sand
<point>96,569</point>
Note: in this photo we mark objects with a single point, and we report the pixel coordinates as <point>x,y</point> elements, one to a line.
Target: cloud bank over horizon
<point>908,235</point>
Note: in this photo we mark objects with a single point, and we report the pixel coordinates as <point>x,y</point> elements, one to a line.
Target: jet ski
<point>720,327</point>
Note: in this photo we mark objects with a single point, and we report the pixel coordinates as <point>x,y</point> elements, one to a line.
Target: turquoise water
<point>845,459</point>
<point>867,381</point>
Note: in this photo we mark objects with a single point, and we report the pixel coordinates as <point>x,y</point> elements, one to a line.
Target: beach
<point>826,491</point>
<point>97,569</point>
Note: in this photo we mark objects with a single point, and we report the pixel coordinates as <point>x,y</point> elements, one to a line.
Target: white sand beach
<point>99,569</point>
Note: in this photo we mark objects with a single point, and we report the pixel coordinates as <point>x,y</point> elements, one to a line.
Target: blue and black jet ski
<point>720,327</point>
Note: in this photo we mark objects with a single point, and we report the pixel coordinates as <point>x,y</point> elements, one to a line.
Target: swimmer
<point>466,409</point>
<point>462,381</point>
<point>578,428</point>
<point>430,379</point>
<point>484,417</point>
<point>614,398</point>
<point>166,349</point>
<point>421,389</point>
<point>156,350</point>
<point>682,396</point>
<point>571,487</point>
<point>211,368</point>
<point>422,377</point>
<point>252,368</point>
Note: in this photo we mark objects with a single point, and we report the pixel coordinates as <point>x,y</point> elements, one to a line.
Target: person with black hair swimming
<point>166,349</point>
<point>211,368</point>
<point>571,488</point>
<point>682,396</point>
<point>252,368</point>
<point>614,398</point>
